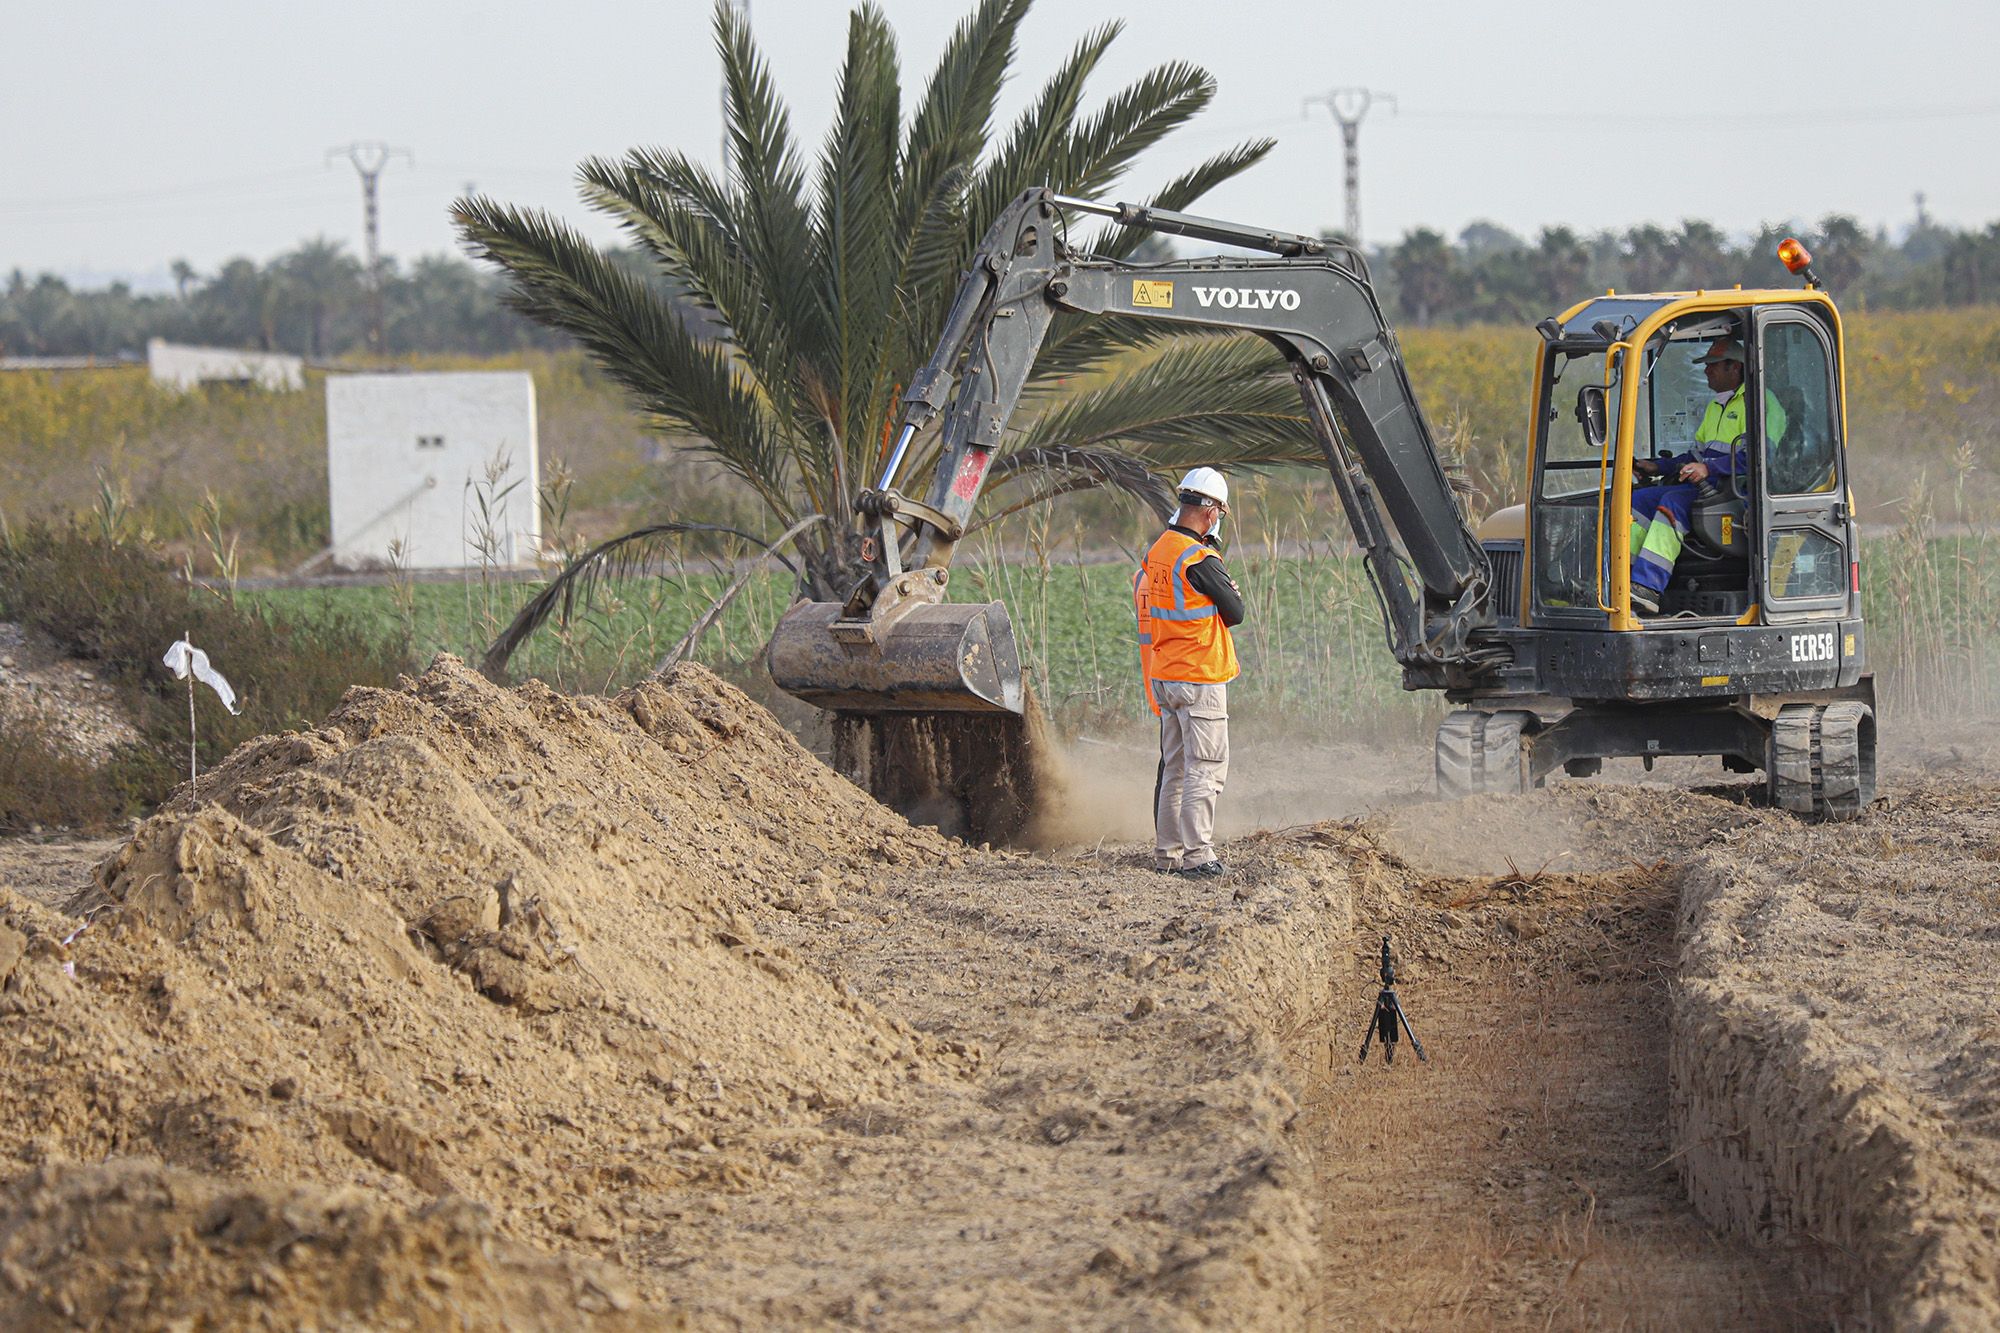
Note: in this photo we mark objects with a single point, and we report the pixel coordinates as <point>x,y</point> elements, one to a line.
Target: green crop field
<point>1313,649</point>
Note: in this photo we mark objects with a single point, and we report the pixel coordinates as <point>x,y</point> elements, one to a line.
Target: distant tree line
<point>313,300</point>
<point>1491,275</point>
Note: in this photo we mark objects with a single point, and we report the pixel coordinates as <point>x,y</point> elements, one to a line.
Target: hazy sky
<point>138,133</point>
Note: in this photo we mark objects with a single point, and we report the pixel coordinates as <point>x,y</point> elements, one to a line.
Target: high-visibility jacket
<point>1718,439</point>
<point>1182,637</point>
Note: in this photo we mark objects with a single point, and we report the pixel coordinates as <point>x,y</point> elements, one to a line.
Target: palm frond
<point>666,204</point>
<point>940,152</point>
<point>855,253</point>
<point>1053,470</point>
<point>706,620</point>
<point>1137,117</point>
<point>634,333</point>
<point>1208,399</point>
<point>581,582</point>
<point>1037,147</point>
<point>774,220</point>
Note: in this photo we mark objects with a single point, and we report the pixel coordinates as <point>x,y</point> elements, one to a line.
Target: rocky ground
<point>486,1007</point>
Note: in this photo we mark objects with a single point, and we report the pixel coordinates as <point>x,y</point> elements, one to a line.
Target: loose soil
<point>478,1007</point>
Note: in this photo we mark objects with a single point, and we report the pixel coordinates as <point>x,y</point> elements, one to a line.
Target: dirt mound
<point>133,1244</point>
<point>465,940</point>
<point>38,683</point>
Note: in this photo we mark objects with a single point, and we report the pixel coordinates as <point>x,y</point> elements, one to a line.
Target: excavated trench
<point>1526,1175</point>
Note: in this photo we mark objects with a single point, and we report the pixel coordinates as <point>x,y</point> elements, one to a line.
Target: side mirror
<point>1593,413</point>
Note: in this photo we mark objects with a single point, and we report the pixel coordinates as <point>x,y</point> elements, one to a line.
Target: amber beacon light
<point>1797,259</point>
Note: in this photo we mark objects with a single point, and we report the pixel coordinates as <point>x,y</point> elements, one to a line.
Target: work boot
<point>1645,601</point>
<point>1205,870</point>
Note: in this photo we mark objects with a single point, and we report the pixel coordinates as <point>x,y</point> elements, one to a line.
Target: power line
<point>369,158</point>
<point>1612,122</point>
<point>234,206</point>
<point>1349,106</point>
<point>1772,119</point>
<point>185,189</point>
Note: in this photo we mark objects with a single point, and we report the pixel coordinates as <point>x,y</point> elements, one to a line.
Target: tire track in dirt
<point>1522,1178</point>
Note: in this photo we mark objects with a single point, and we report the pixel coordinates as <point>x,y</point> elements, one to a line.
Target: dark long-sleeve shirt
<point>1212,581</point>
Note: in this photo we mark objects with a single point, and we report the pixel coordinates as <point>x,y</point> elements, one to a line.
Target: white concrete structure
<point>181,367</point>
<point>445,464</point>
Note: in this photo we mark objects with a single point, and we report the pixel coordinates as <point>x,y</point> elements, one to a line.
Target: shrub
<point>45,784</point>
<point>120,605</point>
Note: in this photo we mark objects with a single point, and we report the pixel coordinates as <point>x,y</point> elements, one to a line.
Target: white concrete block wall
<point>182,367</point>
<point>410,458</point>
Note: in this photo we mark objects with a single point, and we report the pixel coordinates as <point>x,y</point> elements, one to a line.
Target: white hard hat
<point>1207,481</point>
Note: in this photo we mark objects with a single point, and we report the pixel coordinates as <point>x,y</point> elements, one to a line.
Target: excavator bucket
<point>938,657</point>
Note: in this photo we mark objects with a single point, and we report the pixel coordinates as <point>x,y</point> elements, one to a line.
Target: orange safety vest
<point>1139,599</point>
<point>1181,636</point>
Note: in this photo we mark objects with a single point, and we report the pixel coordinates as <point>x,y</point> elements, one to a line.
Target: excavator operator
<point>1660,512</point>
<point>1186,605</point>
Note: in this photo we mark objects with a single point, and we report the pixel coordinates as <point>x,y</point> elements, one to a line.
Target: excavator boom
<point>897,645</point>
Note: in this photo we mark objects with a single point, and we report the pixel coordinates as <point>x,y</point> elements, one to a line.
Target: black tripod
<point>1389,1015</point>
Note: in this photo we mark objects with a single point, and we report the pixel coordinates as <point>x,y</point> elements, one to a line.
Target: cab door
<point>1802,556</point>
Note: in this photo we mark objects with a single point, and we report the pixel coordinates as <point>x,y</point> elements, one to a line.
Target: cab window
<point>1570,462</point>
<point>1801,428</point>
<point>1569,517</point>
<point>1676,395</point>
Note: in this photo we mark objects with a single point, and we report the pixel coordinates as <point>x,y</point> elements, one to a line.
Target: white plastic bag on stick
<point>184,658</point>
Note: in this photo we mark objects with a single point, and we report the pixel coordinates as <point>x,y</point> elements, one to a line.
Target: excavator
<point>1757,654</point>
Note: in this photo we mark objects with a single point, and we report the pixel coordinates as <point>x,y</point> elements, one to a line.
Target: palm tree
<point>829,282</point>
<point>1426,275</point>
<point>320,279</point>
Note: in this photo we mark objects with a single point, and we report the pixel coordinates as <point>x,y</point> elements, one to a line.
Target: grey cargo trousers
<point>1194,763</point>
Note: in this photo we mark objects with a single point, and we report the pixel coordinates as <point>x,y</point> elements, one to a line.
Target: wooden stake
<point>190,675</point>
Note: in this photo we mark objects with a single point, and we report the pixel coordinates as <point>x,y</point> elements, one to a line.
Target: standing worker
<point>1187,604</point>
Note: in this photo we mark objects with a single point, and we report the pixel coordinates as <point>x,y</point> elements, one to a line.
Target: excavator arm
<point>895,644</point>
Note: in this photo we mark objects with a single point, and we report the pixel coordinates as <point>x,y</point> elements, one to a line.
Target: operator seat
<point>1716,524</point>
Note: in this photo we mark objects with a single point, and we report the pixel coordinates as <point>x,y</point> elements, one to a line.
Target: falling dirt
<point>479,1007</point>
<point>978,776</point>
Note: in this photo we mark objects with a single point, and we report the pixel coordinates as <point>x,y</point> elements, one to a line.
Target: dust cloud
<point>1099,788</point>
